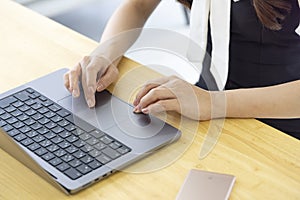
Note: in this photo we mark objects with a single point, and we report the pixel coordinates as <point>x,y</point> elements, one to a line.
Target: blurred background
<point>89,18</point>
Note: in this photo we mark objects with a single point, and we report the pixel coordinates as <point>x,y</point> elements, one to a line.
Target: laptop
<point>70,145</point>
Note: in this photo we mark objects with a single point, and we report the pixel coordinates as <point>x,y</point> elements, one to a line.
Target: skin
<point>99,70</point>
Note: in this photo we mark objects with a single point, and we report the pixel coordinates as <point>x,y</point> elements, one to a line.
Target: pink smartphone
<point>206,185</point>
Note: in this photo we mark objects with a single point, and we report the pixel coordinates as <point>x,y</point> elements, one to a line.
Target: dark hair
<point>271,13</point>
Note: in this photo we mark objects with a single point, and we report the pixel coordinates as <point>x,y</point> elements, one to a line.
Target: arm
<point>279,101</point>
<point>99,70</point>
<point>174,94</point>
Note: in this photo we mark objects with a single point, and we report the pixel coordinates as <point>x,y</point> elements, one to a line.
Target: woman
<point>263,79</point>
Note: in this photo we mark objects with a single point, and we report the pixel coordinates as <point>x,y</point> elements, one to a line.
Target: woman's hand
<point>174,94</point>
<point>95,73</point>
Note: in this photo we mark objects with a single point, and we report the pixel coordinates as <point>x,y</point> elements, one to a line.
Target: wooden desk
<point>265,161</point>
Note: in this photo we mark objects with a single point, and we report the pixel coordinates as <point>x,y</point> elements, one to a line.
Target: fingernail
<point>100,87</point>
<point>137,110</point>
<point>90,103</point>
<point>75,93</point>
<point>145,110</point>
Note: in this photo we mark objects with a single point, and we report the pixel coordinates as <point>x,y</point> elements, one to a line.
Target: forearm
<point>123,28</point>
<point>280,101</point>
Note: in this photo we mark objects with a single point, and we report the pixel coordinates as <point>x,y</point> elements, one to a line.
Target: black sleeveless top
<point>260,57</point>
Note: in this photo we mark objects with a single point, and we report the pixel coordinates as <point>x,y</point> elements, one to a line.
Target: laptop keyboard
<point>68,143</point>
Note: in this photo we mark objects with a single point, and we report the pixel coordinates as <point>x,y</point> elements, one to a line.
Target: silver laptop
<point>70,145</point>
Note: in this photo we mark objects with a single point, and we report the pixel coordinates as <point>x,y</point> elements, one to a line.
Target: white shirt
<point>218,12</point>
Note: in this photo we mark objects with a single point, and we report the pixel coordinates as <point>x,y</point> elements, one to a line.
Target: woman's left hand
<point>173,94</point>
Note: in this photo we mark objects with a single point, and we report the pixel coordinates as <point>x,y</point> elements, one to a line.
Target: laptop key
<point>94,153</point>
<point>106,140</point>
<point>7,128</point>
<point>63,167</point>
<point>50,135</point>
<point>58,130</point>
<point>54,108</point>
<point>57,140</point>
<point>45,143</point>
<point>11,120</point>
<point>2,123</point>
<point>10,109</point>
<point>18,125</point>
<point>36,126</point>
<point>29,90</point>
<point>115,145</point>
<point>29,121</point>
<point>123,150</point>
<point>111,152</point>
<point>65,134</point>
<point>52,148</point>
<point>32,134</point>
<point>86,148</point>
<point>64,144</point>
<point>47,103</point>
<point>18,104</point>
<point>72,138</point>
<point>79,143</point>
<point>22,96</point>
<point>20,137</point>
<point>22,117</point>
<point>86,159</point>
<point>25,129</point>
<point>63,113</point>
<point>30,102</point>
<point>13,132</point>
<point>43,121</point>
<point>94,164</point>
<point>60,153</point>
<point>7,101</point>
<point>71,149</point>
<point>103,159</point>
<point>48,156</point>
<point>34,146</point>
<point>27,142</point>
<point>40,151</point>
<point>97,133</point>
<point>55,161</point>
<point>56,118</point>
<point>84,169</point>
<point>73,173</point>
<point>37,116</point>
<point>78,154</point>
<point>67,158</point>
<point>38,138</point>
<point>75,163</point>
<point>37,106</point>
<point>24,108</point>
<point>5,116</point>
<point>99,146</point>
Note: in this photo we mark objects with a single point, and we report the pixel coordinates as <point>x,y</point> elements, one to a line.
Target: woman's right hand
<point>95,74</point>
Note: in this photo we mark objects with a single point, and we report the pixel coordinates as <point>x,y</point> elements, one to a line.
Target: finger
<point>108,77</point>
<point>154,95</point>
<point>74,75</point>
<point>147,87</point>
<point>162,105</point>
<point>67,82</point>
<point>89,91</point>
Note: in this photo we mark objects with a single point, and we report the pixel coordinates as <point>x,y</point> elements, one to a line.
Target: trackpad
<point>141,126</point>
<point>109,110</point>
